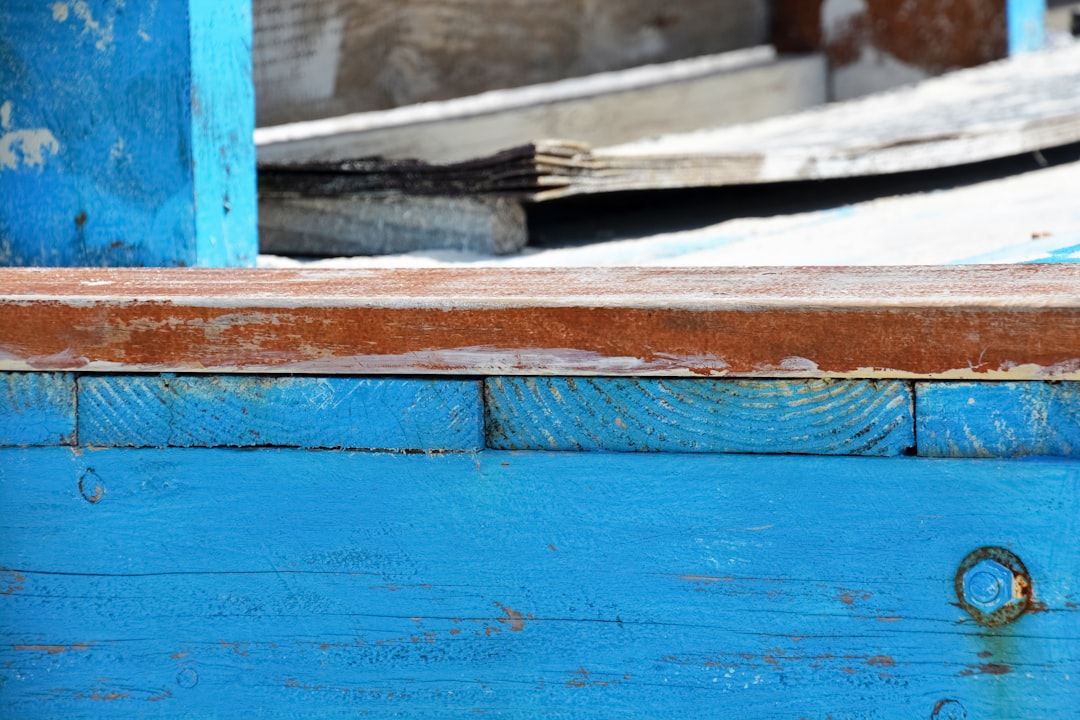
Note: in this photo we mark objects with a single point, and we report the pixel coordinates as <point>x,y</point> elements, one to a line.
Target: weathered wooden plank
<point>819,417</point>
<point>965,117</point>
<point>37,409</point>
<point>601,109</point>
<point>294,584</point>
<point>326,58</point>
<point>977,419</point>
<point>246,411</point>
<point>223,120</point>
<point>125,134</point>
<point>975,322</point>
<point>384,223</point>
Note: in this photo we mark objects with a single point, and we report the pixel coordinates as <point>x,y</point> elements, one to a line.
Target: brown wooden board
<point>973,322</point>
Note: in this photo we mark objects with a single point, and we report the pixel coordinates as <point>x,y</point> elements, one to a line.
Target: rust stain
<point>881,660</point>
<point>108,696</point>
<point>515,619</point>
<point>80,219</point>
<point>455,631</point>
<point>236,647</point>
<point>986,669</point>
<point>53,649</point>
<point>707,579</point>
<point>551,548</point>
<point>848,597</point>
<point>15,582</point>
<point>581,679</point>
<point>1036,606</point>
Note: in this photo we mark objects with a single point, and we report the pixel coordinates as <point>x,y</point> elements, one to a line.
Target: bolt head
<point>993,586</point>
<point>988,585</point>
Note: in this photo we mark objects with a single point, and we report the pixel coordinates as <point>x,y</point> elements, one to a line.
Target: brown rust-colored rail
<point>988,322</point>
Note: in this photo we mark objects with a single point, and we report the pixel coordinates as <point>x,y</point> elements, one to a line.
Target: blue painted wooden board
<point>37,409</point>
<point>286,583</point>
<point>842,417</point>
<point>126,133</point>
<point>252,410</point>
<point>998,419</point>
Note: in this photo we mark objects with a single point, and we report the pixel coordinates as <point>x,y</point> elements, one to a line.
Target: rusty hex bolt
<point>993,586</point>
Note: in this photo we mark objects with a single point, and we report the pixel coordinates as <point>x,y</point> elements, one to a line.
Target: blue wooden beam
<point>252,411</point>
<point>126,133</point>
<point>998,419</point>
<point>195,583</point>
<point>37,409</point>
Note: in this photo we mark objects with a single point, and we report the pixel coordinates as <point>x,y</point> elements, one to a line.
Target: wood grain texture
<point>245,411</point>
<point>977,419</point>
<point>974,322</point>
<point>37,409</point>
<point>601,109</point>
<point>125,134</point>
<point>323,584</point>
<point>327,58</point>
<point>388,223</point>
<point>820,417</point>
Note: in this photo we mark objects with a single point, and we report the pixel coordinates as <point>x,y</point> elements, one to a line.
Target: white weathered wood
<point>602,109</point>
<point>1014,106</point>
<point>322,58</point>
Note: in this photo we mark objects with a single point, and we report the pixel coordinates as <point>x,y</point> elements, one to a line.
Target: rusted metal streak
<point>1017,322</point>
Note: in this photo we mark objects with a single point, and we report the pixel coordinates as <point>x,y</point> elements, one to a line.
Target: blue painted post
<point>126,133</point>
<point>1027,25</point>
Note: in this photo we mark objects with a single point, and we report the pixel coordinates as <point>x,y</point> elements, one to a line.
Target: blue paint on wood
<point>37,409</point>
<point>207,583</point>
<point>843,417</point>
<point>250,411</point>
<point>998,419</point>
<point>122,129</point>
<point>223,127</point>
<point>1026,21</point>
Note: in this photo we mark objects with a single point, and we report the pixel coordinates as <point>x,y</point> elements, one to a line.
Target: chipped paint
<point>26,147</point>
<point>102,33</point>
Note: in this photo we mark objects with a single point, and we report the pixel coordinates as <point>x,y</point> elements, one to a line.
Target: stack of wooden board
<point>1020,105</point>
